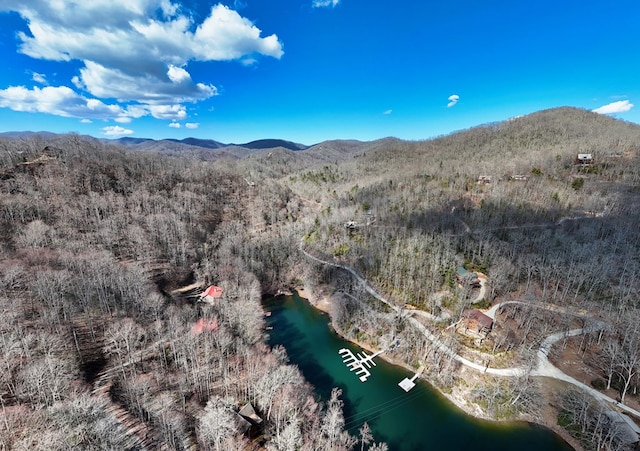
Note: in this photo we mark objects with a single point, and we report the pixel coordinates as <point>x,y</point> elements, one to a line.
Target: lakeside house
<point>248,420</point>
<point>476,322</point>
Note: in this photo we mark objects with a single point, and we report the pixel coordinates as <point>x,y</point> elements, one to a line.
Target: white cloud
<point>225,35</point>
<point>138,51</point>
<point>325,3</point>
<point>86,121</point>
<point>192,125</point>
<point>60,101</point>
<point>39,78</point>
<point>453,99</point>
<point>106,82</point>
<point>388,112</point>
<point>621,106</point>
<point>175,125</point>
<point>173,112</point>
<point>178,75</point>
<point>116,130</point>
<point>64,101</point>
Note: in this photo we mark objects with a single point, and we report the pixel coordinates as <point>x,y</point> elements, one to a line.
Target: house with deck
<point>474,322</point>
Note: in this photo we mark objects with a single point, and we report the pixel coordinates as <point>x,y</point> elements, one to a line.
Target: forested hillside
<point>98,350</point>
<point>97,240</point>
<point>510,201</point>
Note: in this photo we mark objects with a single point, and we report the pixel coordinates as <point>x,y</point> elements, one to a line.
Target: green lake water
<point>419,420</point>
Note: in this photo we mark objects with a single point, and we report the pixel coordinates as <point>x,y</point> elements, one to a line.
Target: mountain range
<point>553,128</point>
<point>149,144</point>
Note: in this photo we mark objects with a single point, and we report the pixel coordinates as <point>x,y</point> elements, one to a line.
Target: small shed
<point>584,158</point>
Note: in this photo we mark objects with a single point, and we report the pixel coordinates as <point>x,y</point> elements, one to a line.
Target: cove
<point>419,420</point>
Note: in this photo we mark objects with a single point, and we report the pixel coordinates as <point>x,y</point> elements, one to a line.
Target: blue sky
<point>310,70</point>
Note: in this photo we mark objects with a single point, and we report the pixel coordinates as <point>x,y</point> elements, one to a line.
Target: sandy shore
<point>321,299</point>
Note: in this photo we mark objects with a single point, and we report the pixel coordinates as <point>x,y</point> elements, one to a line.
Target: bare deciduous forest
<point>100,348</point>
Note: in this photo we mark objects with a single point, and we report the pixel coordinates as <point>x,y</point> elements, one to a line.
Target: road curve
<point>543,368</point>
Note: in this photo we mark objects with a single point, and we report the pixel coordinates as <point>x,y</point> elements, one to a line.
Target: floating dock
<point>407,384</point>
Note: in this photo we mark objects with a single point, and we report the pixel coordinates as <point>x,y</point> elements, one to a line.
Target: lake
<point>421,419</point>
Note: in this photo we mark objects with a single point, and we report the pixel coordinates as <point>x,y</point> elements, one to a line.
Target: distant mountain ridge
<point>272,143</point>
<point>212,144</point>
<point>539,131</point>
<point>195,142</point>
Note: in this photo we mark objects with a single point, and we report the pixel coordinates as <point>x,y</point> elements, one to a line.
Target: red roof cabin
<point>211,293</point>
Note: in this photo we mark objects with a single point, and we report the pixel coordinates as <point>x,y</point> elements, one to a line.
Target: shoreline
<point>322,302</point>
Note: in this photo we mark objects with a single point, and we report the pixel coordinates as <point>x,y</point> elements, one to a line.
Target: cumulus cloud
<point>138,51</point>
<point>192,125</point>
<point>173,112</point>
<point>104,82</point>
<point>64,101</point>
<point>621,106</point>
<point>39,78</point>
<point>61,101</point>
<point>175,125</point>
<point>116,130</point>
<point>325,3</point>
<point>388,112</point>
<point>453,99</point>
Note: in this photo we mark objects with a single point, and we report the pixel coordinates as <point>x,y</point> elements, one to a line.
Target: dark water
<point>419,420</point>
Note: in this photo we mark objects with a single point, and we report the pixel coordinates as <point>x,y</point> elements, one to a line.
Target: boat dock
<point>407,384</point>
<point>360,363</point>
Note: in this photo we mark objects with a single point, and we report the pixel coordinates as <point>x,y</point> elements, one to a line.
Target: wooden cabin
<point>476,322</point>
